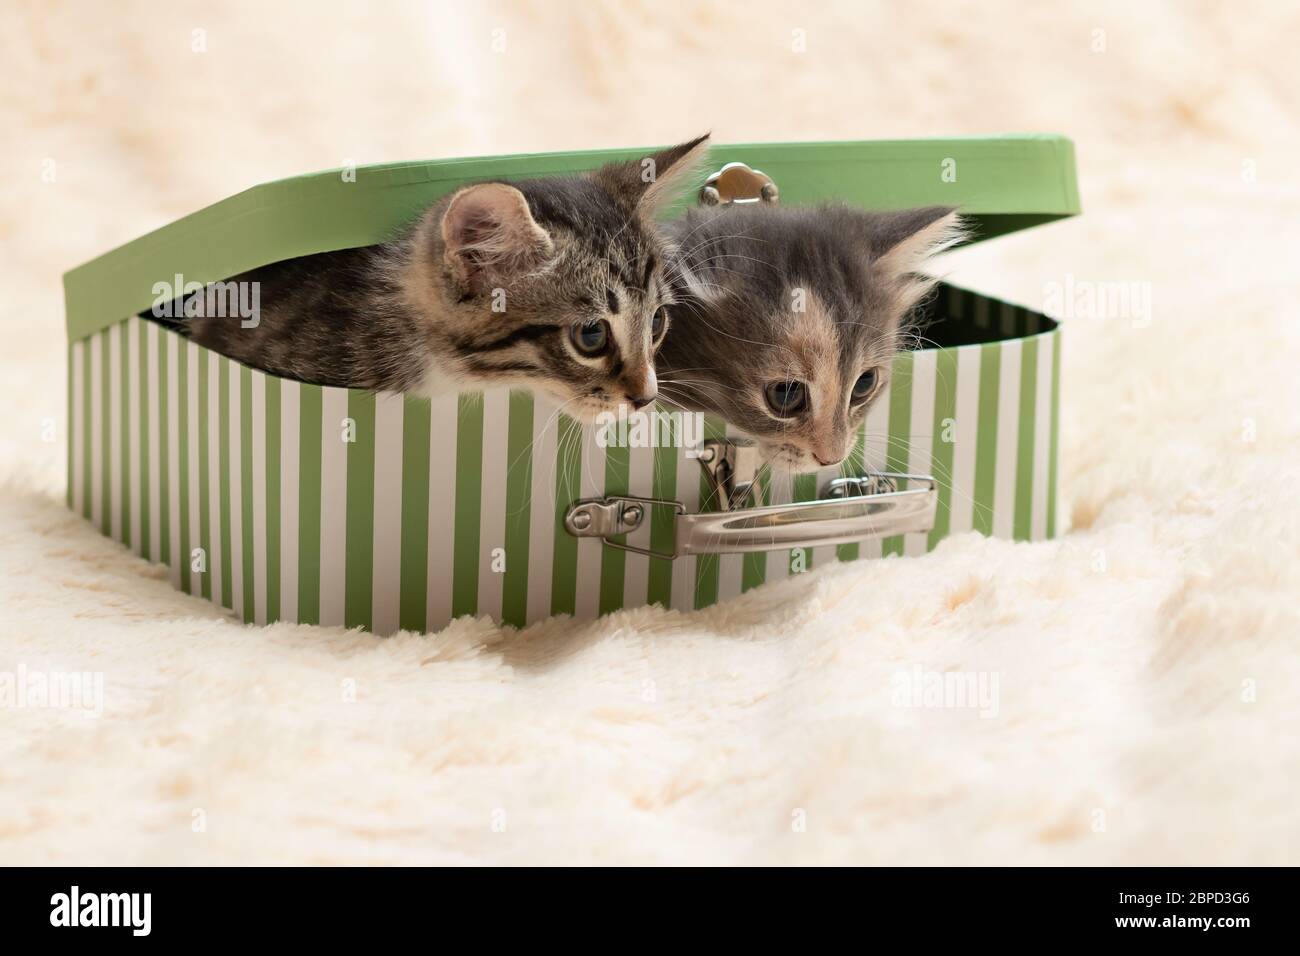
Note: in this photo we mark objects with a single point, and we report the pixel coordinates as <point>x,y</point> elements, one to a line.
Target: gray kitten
<point>556,284</point>
<point>787,319</point>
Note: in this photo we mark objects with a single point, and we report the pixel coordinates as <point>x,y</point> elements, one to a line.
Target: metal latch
<point>738,183</point>
<point>604,517</point>
<point>876,483</point>
<point>731,465</point>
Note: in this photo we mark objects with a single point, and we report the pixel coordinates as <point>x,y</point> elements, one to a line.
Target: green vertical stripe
<point>273,438</point>
<point>311,409</point>
<point>519,496</point>
<point>1025,452</point>
<point>146,486</point>
<point>568,485</point>
<point>900,430</point>
<point>707,565</point>
<point>613,562</point>
<point>804,488</point>
<point>359,564</point>
<point>854,467</point>
<point>469,502</point>
<point>943,440</point>
<point>205,483</point>
<point>753,565</point>
<point>1053,450</point>
<point>124,416</point>
<point>416,420</point>
<point>246,487</point>
<point>87,407</point>
<point>165,490</point>
<point>986,441</point>
<point>106,443</point>
<point>663,521</point>
<point>223,476</point>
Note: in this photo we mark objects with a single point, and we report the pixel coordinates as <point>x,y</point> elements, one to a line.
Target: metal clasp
<point>602,517</point>
<point>875,483</point>
<point>608,518</point>
<point>731,465</point>
<point>738,183</point>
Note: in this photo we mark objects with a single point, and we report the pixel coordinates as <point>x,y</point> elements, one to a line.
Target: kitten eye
<point>864,386</point>
<point>658,322</point>
<point>786,398</point>
<point>590,339</point>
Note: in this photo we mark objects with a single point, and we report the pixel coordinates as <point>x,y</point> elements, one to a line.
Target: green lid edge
<point>1003,183</point>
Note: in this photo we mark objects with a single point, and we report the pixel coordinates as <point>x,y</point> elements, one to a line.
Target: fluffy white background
<point>654,736</point>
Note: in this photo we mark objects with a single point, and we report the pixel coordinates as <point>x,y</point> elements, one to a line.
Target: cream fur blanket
<point>1146,662</point>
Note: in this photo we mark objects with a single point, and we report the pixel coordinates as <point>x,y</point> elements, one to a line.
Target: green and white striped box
<point>288,501</point>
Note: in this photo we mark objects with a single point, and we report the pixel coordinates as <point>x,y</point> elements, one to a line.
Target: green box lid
<point>1003,183</point>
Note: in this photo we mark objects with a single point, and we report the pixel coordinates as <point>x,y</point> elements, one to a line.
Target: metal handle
<point>805,524</point>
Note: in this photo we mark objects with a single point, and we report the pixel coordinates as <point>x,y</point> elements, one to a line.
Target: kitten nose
<point>824,462</point>
<point>642,393</point>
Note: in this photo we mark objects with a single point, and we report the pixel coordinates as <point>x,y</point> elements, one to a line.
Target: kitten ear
<point>488,234</point>
<point>651,182</point>
<point>902,241</point>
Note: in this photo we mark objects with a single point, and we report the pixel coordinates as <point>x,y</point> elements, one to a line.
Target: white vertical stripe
<point>155,438</point>
<point>333,506</point>
<point>922,437</point>
<point>541,532</point>
<point>96,428</point>
<point>387,567</point>
<point>730,575</point>
<point>444,421</point>
<point>115,428</point>
<point>492,508</point>
<point>132,384</point>
<point>290,423</point>
<point>876,456</point>
<point>962,501</point>
<point>173,464</point>
<point>236,492</point>
<point>258,576</point>
<point>824,555</point>
<point>1042,435</point>
<point>77,426</point>
<point>189,354</point>
<point>688,493</point>
<point>214,474</point>
<point>636,571</point>
<point>1004,492</point>
<point>591,484</point>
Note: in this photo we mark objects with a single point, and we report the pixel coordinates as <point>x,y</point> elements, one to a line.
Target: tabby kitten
<point>787,319</point>
<point>556,284</point>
